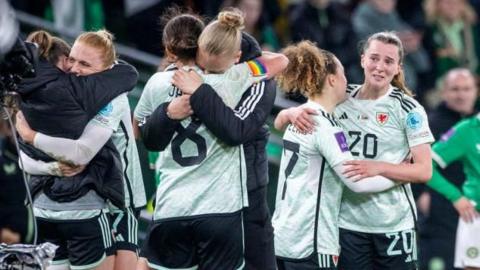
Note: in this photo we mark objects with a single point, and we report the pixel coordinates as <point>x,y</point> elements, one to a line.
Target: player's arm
<point>157,130</point>
<point>234,127</point>
<point>454,147</point>
<point>274,63</point>
<point>76,152</point>
<point>95,91</point>
<point>300,117</point>
<point>332,144</point>
<point>420,171</point>
<point>370,184</point>
<point>38,167</point>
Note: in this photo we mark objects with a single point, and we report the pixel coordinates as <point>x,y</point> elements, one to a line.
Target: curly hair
<point>307,70</point>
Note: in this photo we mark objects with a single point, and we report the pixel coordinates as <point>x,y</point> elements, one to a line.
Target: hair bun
<point>232,18</point>
<point>105,34</point>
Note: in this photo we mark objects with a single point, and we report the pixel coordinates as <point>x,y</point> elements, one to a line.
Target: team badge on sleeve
<point>342,141</point>
<point>414,120</point>
<point>382,118</point>
<point>257,68</point>
<point>107,110</point>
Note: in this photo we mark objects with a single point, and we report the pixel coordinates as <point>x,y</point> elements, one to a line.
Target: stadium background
<point>275,23</point>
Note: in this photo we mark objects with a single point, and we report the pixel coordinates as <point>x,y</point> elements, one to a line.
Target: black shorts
<point>396,250</point>
<point>209,242</point>
<point>124,226</point>
<point>313,262</point>
<point>81,243</point>
<point>259,249</point>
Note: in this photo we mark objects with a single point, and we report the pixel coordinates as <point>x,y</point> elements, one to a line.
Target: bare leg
<point>142,264</point>
<point>125,260</point>
<point>107,264</point>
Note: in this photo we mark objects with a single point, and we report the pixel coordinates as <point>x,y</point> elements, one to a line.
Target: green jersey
<point>461,143</point>
<point>383,129</point>
<point>199,174</point>
<point>309,191</point>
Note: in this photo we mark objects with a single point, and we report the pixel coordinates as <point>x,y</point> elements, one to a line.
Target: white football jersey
<point>199,174</point>
<point>309,191</point>
<point>383,129</point>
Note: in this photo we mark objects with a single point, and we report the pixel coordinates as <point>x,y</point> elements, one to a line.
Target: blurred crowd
<point>438,34</point>
<point>442,66</point>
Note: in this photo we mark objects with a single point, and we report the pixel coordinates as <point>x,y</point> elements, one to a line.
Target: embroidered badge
<point>382,118</point>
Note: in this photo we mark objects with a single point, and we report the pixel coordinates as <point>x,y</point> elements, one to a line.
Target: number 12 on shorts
<point>403,242</point>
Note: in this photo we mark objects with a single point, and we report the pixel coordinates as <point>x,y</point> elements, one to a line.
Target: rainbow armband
<point>257,68</point>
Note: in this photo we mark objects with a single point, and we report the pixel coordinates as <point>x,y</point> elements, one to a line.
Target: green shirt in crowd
<point>462,143</point>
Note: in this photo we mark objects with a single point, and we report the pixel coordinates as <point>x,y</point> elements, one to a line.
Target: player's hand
<point>179,108</point>
<point>466,209</point>
<point>187,81</point>
<point>301,117</point>
<point>70,170</point>
<point>359,169</point>
<point>23,128</point>
<point>8,236</point>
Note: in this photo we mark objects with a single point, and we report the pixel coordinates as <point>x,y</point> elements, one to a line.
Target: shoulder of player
<point>326,120</point>
<point>405,102</point>
<point>352,88</point>
<point>159,80</point>
<point>468,124</point>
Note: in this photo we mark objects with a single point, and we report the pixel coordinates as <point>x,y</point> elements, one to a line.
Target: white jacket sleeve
<point>78,152</point>
<point>366,185</point>
<point>38,167</point>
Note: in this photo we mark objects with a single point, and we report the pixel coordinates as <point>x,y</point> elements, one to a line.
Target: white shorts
<point>467,247</point>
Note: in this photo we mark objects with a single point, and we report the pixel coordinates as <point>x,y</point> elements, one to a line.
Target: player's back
<point>199,173</point>
<point>309,191</point>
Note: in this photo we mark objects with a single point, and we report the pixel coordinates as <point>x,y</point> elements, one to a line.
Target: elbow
<point>424,174</point>
<point>283,62</point>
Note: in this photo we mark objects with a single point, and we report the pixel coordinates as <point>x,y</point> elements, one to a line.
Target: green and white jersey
<point>309,191</point>
<point>461,143</point>
<point>199,173</point>
<point>383,129</point>
<point>117,116</point>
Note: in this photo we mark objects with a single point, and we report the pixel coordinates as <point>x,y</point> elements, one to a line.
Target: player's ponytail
<point>102,40</point>
<point>399,82</point>
<point>49,47</point>
<point>307,69</point>
<point>180,34</point>
<point>223,35</point>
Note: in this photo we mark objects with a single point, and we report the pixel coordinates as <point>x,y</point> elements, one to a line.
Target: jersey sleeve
<point>332,143</point>
<point>452,146</point>
<point>416,127</point>
<point>111,115</point>
<point>154,93</point>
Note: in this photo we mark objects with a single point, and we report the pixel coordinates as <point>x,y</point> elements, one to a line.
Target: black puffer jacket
<point>60,105</point>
